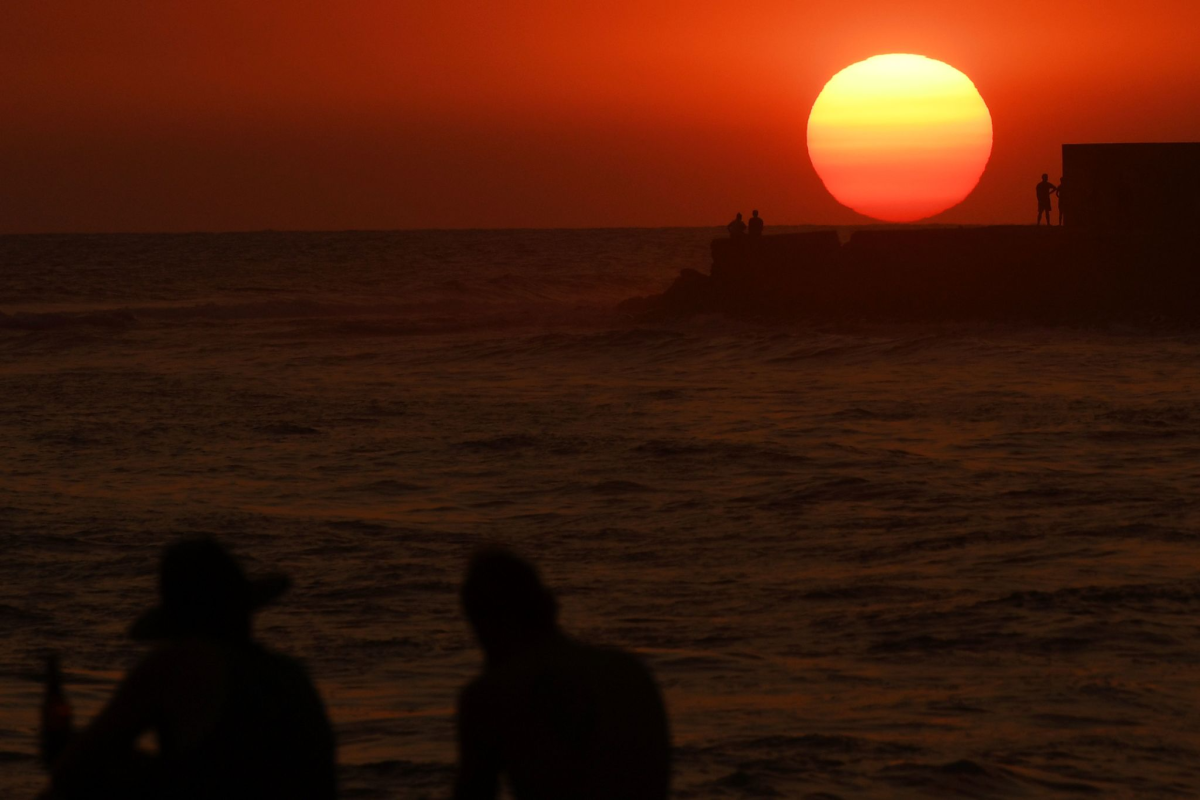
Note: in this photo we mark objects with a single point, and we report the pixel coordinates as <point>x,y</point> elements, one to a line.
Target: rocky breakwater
<point>994,272</point>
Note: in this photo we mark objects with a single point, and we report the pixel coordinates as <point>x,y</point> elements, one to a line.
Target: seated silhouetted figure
<point>558,718</point>
<point>1059,191</point>
<point>737,228</point>
<point>232,719</point>
<point>756,224</point>
<point>1044,190</point>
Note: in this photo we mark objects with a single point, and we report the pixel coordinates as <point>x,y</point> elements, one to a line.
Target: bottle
<point>56,714</point>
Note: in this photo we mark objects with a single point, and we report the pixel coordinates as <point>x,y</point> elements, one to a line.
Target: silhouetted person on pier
<point>1059,191</point>
<point>737,228</point>
<point>561,719</point>
<point>233,720</point>
<point>756,224</point>
<point>1044,190</point>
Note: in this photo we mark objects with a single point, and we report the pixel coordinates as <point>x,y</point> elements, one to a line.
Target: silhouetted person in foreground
<point>233,720</point>
<point>1059,191</point>
<point>1044,190</point>
<point>756,224</point>
<point>737,228</point>
<point>561,720</point>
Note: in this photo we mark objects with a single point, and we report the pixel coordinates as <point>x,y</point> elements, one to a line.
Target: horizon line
<point>715,226</point>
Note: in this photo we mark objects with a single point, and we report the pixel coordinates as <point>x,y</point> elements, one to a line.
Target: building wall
<point>1131,186</point>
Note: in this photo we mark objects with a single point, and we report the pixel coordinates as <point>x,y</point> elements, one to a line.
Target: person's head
<point>506,602</point>
<point>1045,176</point>
<point>754,213</point>
<point>1060,178</point>
<point>203,592</point>
<point>739,216</point>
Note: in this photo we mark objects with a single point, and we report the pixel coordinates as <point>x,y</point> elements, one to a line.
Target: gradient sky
<point>158,115</point>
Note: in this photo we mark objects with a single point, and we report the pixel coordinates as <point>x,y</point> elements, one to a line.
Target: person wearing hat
<point>557,717</point>
<point>232,719</point>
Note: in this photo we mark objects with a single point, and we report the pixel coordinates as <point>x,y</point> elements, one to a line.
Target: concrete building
<point>1132,186</point>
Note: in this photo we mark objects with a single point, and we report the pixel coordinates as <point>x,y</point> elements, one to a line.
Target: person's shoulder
<point>478,699</point>
<point>477,686</point>
<point>621,679</point>
<point>271,656</point>
<point>284,682</point>
<point>288,668</point>
<point>612,660</point>
<point>177,667</point>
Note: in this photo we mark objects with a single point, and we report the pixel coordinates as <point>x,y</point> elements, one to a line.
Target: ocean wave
<point>1140,596</point>
<point>330,318</point>
<point>966,778</point>
<point>110,319</point>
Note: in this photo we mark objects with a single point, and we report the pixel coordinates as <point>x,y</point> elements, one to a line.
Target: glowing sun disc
<point>899,137</point>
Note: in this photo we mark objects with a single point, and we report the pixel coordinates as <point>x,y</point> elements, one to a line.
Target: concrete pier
<point>992,272</point>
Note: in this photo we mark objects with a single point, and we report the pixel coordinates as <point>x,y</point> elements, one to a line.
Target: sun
<point>899,137</point>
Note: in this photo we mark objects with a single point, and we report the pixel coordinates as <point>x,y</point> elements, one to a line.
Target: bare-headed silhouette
<point>1044,190</point>
<point>1058,190</point>
<point>756,224</point>
<point>560,719</point>
<point>233,720</point>
<point>737,228</point>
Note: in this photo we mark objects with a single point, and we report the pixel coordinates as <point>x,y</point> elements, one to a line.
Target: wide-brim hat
<point>202,588</point>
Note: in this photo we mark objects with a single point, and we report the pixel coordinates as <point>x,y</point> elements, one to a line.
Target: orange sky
<point>313,114</point>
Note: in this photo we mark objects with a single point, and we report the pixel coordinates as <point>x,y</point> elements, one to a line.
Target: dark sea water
<point>864,559</point>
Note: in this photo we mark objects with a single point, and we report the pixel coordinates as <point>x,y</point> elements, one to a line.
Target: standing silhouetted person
<point>756,224</point>
<point>562,720</point>
<point>1059,191</point>
<point>737,228</point>
<point>1044,190</point>
<point>233,720</point>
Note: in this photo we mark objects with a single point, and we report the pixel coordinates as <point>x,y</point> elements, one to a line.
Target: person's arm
<point>478,761</point>
<point>652,770</point>
<point>109,739</point>
<point>317,747</point>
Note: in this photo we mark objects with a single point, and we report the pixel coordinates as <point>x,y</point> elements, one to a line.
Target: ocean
<point>864,559</point>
